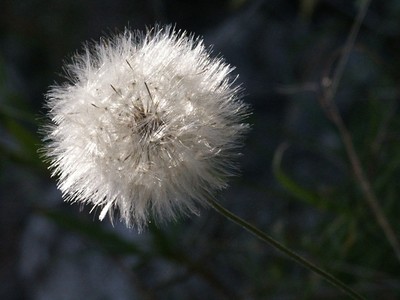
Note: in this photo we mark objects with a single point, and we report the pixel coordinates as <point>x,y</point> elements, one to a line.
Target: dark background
<point>309,201</point>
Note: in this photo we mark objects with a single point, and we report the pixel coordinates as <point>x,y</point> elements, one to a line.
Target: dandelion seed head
<point>149,124</point>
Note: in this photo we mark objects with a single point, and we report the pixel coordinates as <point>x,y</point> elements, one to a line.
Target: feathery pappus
<point>148,124</point>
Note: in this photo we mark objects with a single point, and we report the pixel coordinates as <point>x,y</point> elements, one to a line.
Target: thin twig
<point>280,247</point>
<point>362,180</point>
<point>331,109</point>
<point>338,74</point>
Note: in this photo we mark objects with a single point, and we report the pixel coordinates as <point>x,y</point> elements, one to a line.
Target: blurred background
<point>296,183</point>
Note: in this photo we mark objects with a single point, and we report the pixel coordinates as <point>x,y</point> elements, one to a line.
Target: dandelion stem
<point>280,247</point>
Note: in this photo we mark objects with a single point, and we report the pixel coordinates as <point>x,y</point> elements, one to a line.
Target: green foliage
<point>107,241</point>
<point>349,231</point>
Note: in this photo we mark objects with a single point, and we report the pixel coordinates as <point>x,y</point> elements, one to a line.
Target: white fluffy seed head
<point>148,125</point>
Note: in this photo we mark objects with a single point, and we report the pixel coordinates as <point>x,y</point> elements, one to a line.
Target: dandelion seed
<point>148,125</point>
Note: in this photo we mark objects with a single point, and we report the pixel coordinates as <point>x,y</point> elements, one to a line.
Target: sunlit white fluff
<point>148,124</point>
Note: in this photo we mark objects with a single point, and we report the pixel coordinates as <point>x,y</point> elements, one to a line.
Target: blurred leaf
<point>307,8</point>
<point>108,241</point>
<point>23,146</point>
<point>28,141</point>
<point>237,4</point>
<point>20,142</point>
<point>295,189</point>
<point>12,112</point>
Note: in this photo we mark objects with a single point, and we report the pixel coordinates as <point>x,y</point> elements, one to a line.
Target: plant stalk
<point>280,247</point>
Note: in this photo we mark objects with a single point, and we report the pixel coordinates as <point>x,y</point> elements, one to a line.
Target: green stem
<point>297,258</point>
